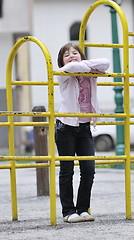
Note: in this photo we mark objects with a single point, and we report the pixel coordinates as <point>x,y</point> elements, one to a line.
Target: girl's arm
<point>95,66</point>
<point>73,67</point>
<point>76,67</point>
<point>99,65</point>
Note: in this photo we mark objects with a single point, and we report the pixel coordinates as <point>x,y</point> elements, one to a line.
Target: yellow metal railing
<point>52,159</point>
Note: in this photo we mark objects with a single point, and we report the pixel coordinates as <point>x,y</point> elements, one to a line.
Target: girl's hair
<point>65,48</point>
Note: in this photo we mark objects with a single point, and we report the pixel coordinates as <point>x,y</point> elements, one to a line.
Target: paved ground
<point>108,207</point>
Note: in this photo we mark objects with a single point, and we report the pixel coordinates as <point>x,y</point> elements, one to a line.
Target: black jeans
<point>70,141</point>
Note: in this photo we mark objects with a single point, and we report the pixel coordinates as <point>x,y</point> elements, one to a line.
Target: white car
<point>105,137</point>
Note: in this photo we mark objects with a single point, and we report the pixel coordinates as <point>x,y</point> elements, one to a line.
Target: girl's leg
<point>85,147</point>
<point>65,142</point>
<point>66,187</point>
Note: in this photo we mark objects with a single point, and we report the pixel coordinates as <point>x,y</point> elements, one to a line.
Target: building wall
<point>15,20</point>
<point>16,17</point>
<point>5,47</point>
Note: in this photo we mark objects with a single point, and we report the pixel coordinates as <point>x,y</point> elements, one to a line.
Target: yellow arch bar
<point>51,125</point>
<point>82,44</point>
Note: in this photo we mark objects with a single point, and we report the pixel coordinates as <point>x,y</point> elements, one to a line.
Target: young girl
<point>73,135</point>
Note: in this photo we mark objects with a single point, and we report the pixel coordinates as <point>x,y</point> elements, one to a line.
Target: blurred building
<point>15,22</point>
<point>55,22</point>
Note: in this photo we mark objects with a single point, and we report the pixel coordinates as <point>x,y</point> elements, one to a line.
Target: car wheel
<point>103,143</point>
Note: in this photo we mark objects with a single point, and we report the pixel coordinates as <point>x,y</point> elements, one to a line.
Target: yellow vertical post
<point>51,144</point>
<point>11,137</point>
<point>51,133</point>
<point>127,123</point>
<point>11,143</point>
<point>126,88</point>
<point>51,130</point>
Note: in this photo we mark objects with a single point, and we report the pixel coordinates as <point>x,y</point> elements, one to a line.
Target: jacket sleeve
<point>76,67</point>
<point>73,67</point>
<point>100,64</point>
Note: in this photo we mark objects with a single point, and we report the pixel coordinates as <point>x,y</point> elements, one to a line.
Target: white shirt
<point>69,88</point>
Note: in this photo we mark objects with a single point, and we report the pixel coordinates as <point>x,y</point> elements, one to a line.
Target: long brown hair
<point>64,49</point>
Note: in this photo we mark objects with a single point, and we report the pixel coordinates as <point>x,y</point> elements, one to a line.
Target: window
<point>1,5</point>
<point>74,33</point>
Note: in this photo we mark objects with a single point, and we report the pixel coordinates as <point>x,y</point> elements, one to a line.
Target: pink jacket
<point>69,88</point>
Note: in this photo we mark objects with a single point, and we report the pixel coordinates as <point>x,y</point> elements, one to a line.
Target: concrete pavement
<point>107,205</point>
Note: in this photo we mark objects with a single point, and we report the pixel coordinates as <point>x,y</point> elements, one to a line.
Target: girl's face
<point>71,55</point>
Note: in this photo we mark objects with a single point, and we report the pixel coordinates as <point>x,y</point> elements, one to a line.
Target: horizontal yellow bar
<point>35,165</point>
<point>46,114</point>
<point>5,167</point>
<point>38,165</point>
<point>110,123</point>
<point>56,83</point>
<point>101,115</point>
<point>100,162</point>
<point>131,84</point>
<point>16,124</point>
<point>4,124</point>
<point>109,162</point>
<point>45,124</point>
<point>131,74</point>
<point>114,123</point>
<point>58,158</point>
<point>25,158</point>
<point>114,83</point>
<point>103,162</point>
<point>99,83</point>
<point>90,74</point>
<point>118,75</point>
<point>110,83</point>
<point>131,46</point>
<point>58,164</point>
<point>70,158</point>
<point>131,34</point>
<point>105,45</point>
<point>30,83</point>
<point>111,45</point>
<point>34,114</point>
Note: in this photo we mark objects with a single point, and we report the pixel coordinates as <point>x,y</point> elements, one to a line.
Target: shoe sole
<point>74,221</point>
<point>89,219</point>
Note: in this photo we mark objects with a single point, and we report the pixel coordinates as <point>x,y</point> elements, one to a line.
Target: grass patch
<point>114,166</point>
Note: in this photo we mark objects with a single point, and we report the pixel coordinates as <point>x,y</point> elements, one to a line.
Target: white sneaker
<point>73,218</point>
<point>87,217</point>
